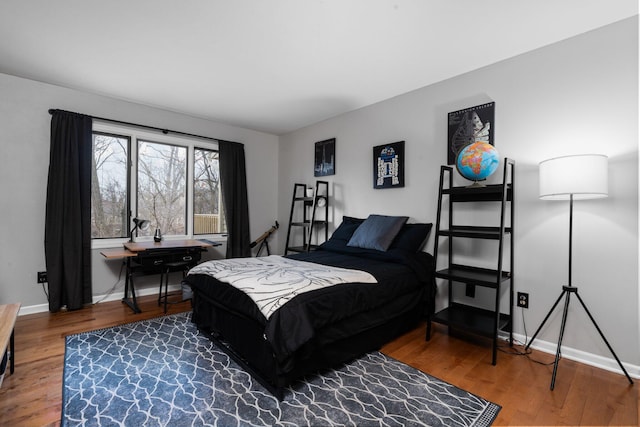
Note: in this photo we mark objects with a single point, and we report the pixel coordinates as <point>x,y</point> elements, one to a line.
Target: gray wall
<point>24,162</point>
<point>576,96</point>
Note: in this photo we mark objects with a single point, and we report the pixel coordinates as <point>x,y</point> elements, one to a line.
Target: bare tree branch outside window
<point>109,186</point>
<point>207,200</point>
<point>162,176</point>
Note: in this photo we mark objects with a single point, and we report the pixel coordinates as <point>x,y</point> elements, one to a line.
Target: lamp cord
<point>113,288</point>
<point>527,353</point>
<point>44,289</point>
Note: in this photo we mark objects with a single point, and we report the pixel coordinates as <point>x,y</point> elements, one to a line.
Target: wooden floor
<point>583,395</point>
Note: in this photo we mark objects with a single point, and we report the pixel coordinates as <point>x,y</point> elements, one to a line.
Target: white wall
<point>24,162</point>
<point>576,96</point>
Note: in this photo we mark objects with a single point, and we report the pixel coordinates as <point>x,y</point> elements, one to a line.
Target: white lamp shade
<point>585,176</point>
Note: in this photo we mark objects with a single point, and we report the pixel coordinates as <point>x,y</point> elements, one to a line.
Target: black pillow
<point>346,229</point>
<point>412,237</point>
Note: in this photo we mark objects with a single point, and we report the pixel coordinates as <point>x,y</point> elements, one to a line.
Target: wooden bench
<point>8,316</point>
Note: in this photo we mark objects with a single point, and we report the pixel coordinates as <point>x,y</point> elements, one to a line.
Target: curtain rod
<point>164,131</point>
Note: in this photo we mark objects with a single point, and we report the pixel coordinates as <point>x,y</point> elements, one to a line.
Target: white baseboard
<point>115,296</point>
<point>606,363</point>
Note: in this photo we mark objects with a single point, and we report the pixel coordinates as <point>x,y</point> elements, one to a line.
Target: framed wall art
<point>325,158</point>
<point>469,125</point>
<point>388,165</point>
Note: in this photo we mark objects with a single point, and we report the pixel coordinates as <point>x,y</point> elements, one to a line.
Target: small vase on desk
<point>157,237</point>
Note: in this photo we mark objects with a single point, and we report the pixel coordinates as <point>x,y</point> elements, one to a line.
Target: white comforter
<point>273,280</point>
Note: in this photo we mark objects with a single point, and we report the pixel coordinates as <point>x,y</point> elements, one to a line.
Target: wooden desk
<point>150,258</point>
<point>132,249</point>
<point>8,316</point>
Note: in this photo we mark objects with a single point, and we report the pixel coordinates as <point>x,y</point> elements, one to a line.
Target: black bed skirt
<point>244,340</point>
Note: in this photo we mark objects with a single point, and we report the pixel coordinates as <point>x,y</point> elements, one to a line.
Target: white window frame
<point>191,143</point>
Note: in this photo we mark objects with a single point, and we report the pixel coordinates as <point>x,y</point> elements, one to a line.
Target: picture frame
<point>325,158</point>
<point>388,165</point>
<point>469,125</point>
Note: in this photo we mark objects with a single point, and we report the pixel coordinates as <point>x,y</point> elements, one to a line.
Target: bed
<point>327,325</point>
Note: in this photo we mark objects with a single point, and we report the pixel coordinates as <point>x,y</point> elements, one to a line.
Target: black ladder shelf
<point>307,214</point>
<point>479,321</point>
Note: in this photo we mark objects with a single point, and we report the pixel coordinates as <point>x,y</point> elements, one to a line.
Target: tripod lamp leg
<point>604,339</point>
<point>545,320</point>
<point>562,326</point>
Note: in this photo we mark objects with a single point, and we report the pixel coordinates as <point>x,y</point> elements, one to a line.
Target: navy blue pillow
<point>377,232</point>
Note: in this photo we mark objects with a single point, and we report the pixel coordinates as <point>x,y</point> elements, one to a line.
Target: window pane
<point>207,199</point>
<point>162,177</point>
<point>109,186</point>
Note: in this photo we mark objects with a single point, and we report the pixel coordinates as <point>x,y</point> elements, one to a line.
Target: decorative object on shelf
<point>474,124</point>
<point>157,236</point>
<point>477,161</point>
<point>388,165</point>
<point>141,224</point>
<point>325,158</point>
<point>576,177</point>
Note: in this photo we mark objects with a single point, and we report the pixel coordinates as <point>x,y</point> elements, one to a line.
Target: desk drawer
<point>159,257</point>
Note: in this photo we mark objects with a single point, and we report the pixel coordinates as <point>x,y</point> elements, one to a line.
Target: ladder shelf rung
<point>474,232</point>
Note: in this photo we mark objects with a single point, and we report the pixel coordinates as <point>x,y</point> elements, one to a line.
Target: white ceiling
<point>276,65</point>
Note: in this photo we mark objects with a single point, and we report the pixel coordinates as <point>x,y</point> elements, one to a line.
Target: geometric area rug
<point>163,372</point>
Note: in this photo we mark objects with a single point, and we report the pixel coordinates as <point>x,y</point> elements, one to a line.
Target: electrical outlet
<point>42,277</point>
<point>523,299</point>
<point>470,290</point>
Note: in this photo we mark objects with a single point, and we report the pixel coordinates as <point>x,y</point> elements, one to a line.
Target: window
<point>168,180</point>
<point>207,197</point>
<point>162,187</point>
<point>109,195</point>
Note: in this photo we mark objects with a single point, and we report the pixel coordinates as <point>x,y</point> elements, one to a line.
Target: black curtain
<point>67,236</point>
<point>233,178</point>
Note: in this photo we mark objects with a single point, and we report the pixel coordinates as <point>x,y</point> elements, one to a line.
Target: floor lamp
<point>577,177</point>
